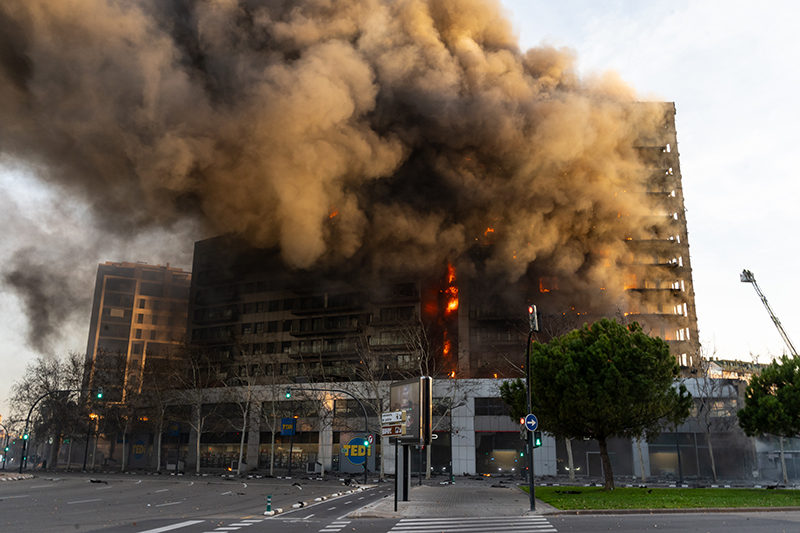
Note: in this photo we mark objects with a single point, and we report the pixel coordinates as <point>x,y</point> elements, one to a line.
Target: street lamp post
<point>25,435</point>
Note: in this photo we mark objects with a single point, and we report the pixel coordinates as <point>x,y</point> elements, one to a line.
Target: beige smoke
<point>397,130</point>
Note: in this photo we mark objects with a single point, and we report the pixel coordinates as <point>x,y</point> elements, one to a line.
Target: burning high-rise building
<point>404,162</point>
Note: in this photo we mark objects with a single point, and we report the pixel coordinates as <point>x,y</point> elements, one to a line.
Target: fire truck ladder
<point>748,277</point>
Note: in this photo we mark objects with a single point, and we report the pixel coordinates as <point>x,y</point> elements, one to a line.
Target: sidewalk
<point>463,499</point>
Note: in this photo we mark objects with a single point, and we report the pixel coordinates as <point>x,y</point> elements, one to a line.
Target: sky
<point>731,69</point>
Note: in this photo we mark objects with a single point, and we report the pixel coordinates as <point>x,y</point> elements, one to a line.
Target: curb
<point>300,505</point>
<point>691,510</point>
<point>16,477</point>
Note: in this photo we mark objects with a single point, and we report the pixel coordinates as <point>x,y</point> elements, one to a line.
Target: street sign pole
<point>533,325</point>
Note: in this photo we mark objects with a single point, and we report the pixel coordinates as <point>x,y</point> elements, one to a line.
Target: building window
<point>247,329</point>
<point>259,327</point>
<point>272,327</point>
<point>153,335</point>
<point>138,334</point>
<point>155,320</point>
<point>141,303</point>
<point>140,319</point>
<point>274,305</point>
<point>491,407</point>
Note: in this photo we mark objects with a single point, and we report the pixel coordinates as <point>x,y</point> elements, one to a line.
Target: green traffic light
<point>99,393</point>
<point>288,393</point>
<point>25,436</point>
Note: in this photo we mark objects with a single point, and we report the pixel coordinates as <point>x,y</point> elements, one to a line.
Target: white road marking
<point>224,493</point>
<point>174,526</point>
<point>331,508</point>
<point>42,486</point>
<point>84,501</point>
<point>162,490</point>
<point>9,497</point>
<point>165,504</point>
<point>309,516</point>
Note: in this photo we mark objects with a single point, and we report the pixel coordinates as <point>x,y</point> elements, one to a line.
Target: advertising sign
<point>413,398</point>
<point>357,450</point>
<point>353,451</point>
<point>287,426</point>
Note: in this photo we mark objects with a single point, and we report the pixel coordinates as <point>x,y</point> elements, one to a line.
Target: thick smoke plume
<point>397,132</point>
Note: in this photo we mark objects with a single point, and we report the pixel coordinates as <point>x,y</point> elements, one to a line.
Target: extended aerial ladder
<point>748,277</point>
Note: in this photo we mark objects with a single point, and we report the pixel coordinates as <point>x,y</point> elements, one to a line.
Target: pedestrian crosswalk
<point>236,525</point>
<point>523,524</point>
<point>333,527</point>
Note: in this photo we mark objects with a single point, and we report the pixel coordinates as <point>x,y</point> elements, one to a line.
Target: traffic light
<point>6,449</point>
<point>537,439</point>
<point>99,393</point>
<point>533,318</point>
<point>288,392</point>
<point>25,436</point>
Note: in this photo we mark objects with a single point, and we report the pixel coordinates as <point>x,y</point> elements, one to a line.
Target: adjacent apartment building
<point>138,312</point>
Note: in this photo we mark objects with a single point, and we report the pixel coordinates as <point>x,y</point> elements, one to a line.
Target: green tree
<point>602,381</point>
<point>772,403</point>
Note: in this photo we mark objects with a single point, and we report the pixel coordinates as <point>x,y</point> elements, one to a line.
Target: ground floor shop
<point>474,435</point>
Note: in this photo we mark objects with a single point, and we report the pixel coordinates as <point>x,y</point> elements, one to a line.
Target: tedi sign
<point>357,450</point>
<point>353,453</point>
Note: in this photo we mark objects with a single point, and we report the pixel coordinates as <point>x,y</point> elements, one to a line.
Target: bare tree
<point>58,412</point>
<point>197,372</point>
<point>715,403</point>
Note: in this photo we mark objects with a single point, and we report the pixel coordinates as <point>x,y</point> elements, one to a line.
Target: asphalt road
<point>160,504</point>
<point>129,503</point>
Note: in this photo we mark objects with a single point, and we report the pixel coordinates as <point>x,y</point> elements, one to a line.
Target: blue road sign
<point>531,422</point>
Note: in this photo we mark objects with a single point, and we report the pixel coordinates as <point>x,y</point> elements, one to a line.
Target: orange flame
<point>451,274</point>
<point>488,231</point>
<point>334,212</point>
<point>451,293</point>
<point>446,348</point>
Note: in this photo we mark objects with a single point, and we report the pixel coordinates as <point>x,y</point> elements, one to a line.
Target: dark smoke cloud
<point>396,130</point>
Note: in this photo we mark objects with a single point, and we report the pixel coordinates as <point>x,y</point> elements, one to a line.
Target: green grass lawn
<point>636,498</point>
